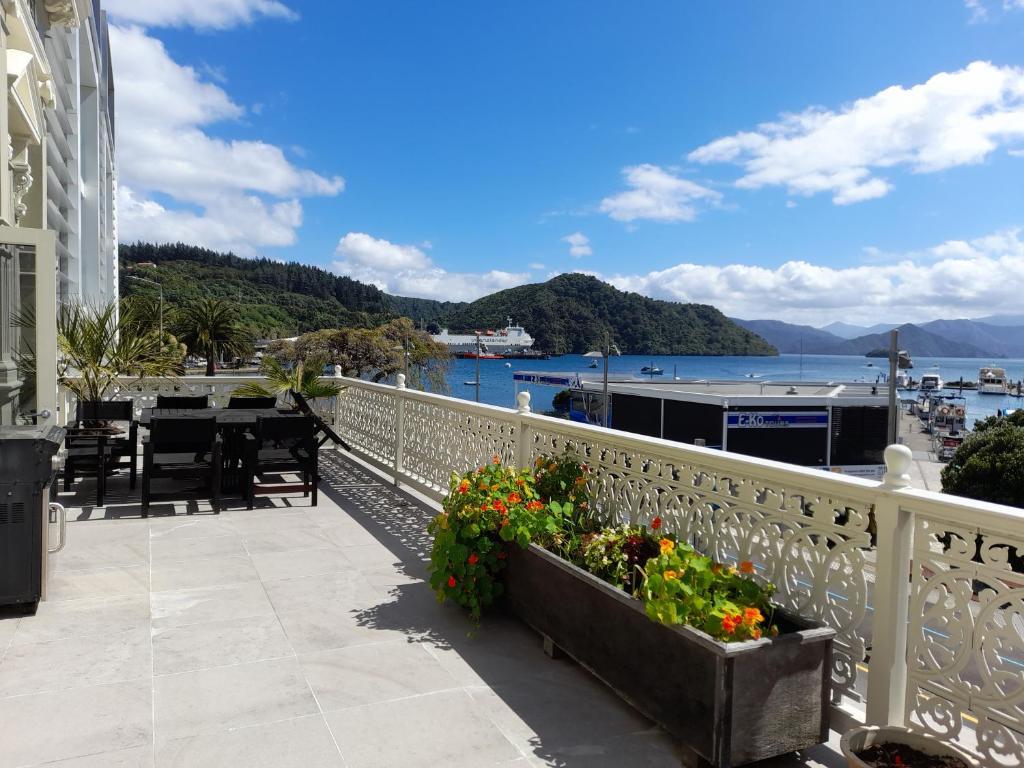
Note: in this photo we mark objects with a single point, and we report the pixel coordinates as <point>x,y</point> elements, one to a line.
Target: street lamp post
<point>478,366</point>
<point>605,352</point>
<point>161,289</point>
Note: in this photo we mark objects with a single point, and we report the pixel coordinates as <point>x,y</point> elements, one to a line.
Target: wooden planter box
<point>730,703</point>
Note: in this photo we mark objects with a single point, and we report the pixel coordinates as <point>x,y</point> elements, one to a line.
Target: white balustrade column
<point>887,675</point>
<point>337,403</point>
<point>523,430</point>
<point>399,426</point>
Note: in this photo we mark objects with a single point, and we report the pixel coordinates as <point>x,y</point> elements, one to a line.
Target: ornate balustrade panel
<point>804,532</point>
<point>442,437</point>
<point>367,420</point>
<point>965,676</point>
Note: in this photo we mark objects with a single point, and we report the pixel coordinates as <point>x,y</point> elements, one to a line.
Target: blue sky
<point>799,160</point>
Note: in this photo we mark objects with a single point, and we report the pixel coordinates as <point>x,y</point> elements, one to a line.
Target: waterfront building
<point>58,183</point>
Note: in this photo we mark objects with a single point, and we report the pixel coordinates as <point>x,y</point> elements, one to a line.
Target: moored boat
<point>992,381</point>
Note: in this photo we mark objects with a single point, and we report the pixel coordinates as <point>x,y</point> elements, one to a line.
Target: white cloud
<point>953,119</point>
<point>173,173</point>
<point>405,270</point>
<point>657,195</point>
<point>536,266</point>
<point>363,251</point>
<point>978,10</point>
<point>1016,152</point>
<point>952,279</point>
<point>202,14</point>
<point>579,244</point>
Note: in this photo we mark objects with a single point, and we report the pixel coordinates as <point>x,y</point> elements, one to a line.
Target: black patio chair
<point>282,444</point>
<point>183,402</point>
<point>182,449</point>
<point>252,402</point>
<point>103,439</point>
<point>323,432</point>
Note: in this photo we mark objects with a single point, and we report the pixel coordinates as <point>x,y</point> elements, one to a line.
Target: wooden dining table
<point>232,423</point>
<point>226,417</point>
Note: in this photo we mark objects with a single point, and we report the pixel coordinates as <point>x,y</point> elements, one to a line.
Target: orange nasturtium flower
<point>464,486</point>
<point>535,505</point>
<point>729,623</point>
<point>496,459</point>
<point>752,616</point>
<point>746,567</point>
<point>666,545</point>
<point>655,523</point>
<point>669,575</point>
<point>514,498</point>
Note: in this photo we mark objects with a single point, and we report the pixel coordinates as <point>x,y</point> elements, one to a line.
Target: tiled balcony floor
<point>288,636</point>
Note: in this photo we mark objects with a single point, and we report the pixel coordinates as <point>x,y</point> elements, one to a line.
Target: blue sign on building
<point>777,419</point>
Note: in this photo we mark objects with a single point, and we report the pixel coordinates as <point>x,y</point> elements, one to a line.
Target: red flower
<point>535,505</point>
<point>473,559</point>
<point>655,523</point>
<point>463,486</point>
<point>746,567</point>
<point>514,498</point>
<point>504,521</point>
<point>502,555</point>
<point>451,581</point>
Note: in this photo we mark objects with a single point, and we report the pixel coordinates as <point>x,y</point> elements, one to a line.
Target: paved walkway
<point>289,636</point>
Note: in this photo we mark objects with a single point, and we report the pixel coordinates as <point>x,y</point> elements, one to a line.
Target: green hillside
<point>572,312</point>
<point>569,313</point>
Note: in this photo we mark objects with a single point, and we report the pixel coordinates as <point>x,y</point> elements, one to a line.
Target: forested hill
<point>569,313</point>
<point>572,312</point>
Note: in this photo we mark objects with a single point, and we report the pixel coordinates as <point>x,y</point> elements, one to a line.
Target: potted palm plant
<point>303,377</point>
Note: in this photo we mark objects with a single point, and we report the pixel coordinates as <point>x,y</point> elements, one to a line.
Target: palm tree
<point>99,345</point>
<point>303,377</point>
<point>209,327</point>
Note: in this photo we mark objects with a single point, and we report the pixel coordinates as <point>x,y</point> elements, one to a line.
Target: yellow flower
<point>669,575</point>
<point>667,545</point>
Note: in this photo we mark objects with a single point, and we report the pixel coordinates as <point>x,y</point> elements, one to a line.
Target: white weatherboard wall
<point>57,174</point>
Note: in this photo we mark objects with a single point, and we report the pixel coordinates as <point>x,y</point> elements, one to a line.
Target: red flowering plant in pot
<point>682,586</point>
<point>485,509</point>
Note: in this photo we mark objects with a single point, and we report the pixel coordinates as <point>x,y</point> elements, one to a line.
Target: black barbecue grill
<point>28,468</point>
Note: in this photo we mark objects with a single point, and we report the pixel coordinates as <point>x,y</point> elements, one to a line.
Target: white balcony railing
<point>924,590</point>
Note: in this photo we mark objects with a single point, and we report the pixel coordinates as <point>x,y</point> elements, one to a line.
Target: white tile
<point>366,674</point>
<point>193,574</point>
<point>98,582</point>
<point>304,742</point>
<point>76,663</point>
<point>86,721</point>
<point>55,620</point>
<point>177,608</point>
<point>297,563</point>
<point>212,700</point>
<point>218,643</point>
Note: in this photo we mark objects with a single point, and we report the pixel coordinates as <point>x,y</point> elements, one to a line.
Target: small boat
<point>508,365</point>
<point>931,382</point>
<point>593,364</point>
<point>470,383</point>
<point>903,360</point>
<point>992,381</point>
<point>651,370</point>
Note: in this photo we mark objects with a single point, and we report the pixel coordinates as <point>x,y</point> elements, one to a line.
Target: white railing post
<point>887,674</point>
<point>337,402</point>
<point>399,426</point>
<point>522,430</point>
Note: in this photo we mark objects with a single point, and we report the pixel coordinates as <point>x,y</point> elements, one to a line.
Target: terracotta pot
<point>865,736</point>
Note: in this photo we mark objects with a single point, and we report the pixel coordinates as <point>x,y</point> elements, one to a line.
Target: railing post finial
<point>523,401</point>
<point>400,381</point>
<point>898,460</point>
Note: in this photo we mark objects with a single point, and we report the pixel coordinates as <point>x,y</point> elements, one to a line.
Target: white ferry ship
<point>992,381</point>
<point>513,339</point>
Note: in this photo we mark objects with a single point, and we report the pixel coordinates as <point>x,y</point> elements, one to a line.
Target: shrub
<point>989,465</point>
<point>618,555</point>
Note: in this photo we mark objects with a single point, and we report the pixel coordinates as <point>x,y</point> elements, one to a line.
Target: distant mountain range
<point>991,337</point>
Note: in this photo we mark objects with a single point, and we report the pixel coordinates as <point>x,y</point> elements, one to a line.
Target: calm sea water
<point>498,388</point>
